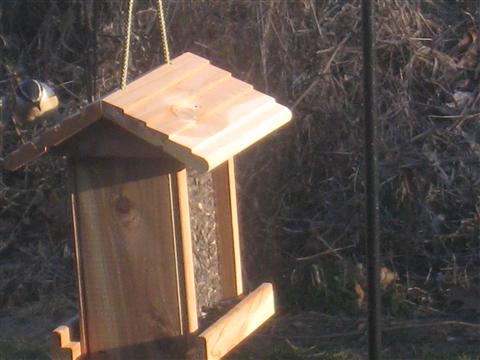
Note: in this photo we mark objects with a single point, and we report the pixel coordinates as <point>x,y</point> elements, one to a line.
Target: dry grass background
<point>301,190</point>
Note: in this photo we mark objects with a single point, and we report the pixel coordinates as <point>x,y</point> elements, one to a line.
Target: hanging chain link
<point>163,30</point>
<point>127,34</point>
<point>126,44</point>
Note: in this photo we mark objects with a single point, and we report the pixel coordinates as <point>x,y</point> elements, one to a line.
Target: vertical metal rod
<point>96,15</point>
<point>371,165</point>
<point>87,27</point>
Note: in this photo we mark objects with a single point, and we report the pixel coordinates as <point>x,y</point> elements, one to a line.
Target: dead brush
<point>302,192</point>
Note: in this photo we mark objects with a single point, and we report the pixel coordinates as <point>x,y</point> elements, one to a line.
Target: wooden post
<point>228,239</point>
<point>187,251</point>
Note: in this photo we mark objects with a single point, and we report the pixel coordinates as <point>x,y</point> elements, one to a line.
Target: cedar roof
<point>197,112</point>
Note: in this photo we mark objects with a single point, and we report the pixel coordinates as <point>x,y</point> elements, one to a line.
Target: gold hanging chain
<point>163,31</point>
<point>126,44</point>
<point>127,35</point>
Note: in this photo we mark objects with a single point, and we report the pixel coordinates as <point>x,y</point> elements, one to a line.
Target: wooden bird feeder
<point>127,156</point>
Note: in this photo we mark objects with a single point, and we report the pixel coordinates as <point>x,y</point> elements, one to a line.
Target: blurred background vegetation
<point>301,190</point>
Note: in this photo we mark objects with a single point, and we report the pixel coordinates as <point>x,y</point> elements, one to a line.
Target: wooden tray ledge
<point>62,345</point>
<point>232,328</point>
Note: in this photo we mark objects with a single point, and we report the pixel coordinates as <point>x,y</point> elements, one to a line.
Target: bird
<point>35,102</point>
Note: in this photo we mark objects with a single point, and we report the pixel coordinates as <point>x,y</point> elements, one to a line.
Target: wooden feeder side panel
<point>228,239</point>
<point>127,250</point>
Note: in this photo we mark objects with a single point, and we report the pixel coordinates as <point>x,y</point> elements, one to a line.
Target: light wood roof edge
<point>197,121</point>
<point>207,162</point>
<point>199,160</point>
<point>241,142</point>
<point>93,112</point>
<point>132,125</point>
<point>234,129</point>
<point>54,136</point>
<point>154,137</point>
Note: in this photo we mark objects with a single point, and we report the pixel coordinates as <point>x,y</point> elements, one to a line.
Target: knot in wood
<point>122,204</point>
<point>186,112</point>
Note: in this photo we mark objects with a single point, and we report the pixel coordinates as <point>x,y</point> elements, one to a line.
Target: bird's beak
<point>38,106</point>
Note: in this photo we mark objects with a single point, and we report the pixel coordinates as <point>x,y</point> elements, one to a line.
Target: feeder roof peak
<point>197,112</point>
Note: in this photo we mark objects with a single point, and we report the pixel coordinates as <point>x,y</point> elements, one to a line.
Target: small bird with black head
<point>35,102</point>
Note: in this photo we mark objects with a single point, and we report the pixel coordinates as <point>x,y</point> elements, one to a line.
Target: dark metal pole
<point>371,165</point>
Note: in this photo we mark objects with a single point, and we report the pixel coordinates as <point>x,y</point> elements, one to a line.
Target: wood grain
<point>106,139</point>
<point>231,142</point>
<point>187,251</point>
<point>232,328</point>
<point>147,86</point>
<point>71,188</point>
<point>190,110</point>
<point>204,115</point>
<point>127,253</point>
<point>197,112</point>
<point>178,94</point>
<point>247,106</point>
<point>228,238</point>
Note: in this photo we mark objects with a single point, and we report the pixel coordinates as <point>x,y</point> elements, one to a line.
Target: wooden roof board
<point>245,107</point>
<point>189,110</point>
<point>206,108</point>
<point>162,77</point>
<point>197,112</point>
<point>242,135</point>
